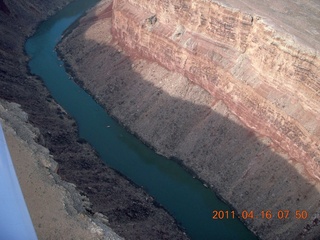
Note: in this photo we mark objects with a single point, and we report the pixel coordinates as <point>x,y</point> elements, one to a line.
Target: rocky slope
<point>221,90</point>
<point>56,208</point>
<point>270,83</point>
<point>131,211</point>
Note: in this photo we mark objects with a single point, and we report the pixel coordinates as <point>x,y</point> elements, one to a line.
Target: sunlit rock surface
<point>270,82</point>
<point>223,88</point>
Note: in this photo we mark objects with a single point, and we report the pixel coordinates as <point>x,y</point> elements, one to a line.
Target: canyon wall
<point>56,207</point>
<point>245,128</point>
<point>18,20</point>
<point>48,137</point>
<point>269,82</point>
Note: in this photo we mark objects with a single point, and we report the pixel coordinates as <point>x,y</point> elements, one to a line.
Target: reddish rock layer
<point>181,120</point>
<point>271,83</point>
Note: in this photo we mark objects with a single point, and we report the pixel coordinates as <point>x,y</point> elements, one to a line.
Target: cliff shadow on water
<point>58,132</point>
<point>183,122</point>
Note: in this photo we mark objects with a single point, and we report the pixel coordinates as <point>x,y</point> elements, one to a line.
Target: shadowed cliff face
<point>183,121</point>
<point>78,162</point>
<point>266,80</point>
<point>4,8</point>
<point>17,21</point>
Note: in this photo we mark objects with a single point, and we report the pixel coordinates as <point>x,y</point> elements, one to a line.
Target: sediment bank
<point>57,132</point>
<point>182,120</point>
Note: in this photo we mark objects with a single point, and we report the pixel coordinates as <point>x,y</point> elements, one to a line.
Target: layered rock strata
<point>248,127</point>
<point>271,84</point>
<point>133,213</point>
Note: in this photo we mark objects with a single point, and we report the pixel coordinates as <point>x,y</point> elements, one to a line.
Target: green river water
<point>182,196</point>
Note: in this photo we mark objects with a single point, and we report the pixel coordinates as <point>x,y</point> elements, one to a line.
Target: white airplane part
<point>15,221</point>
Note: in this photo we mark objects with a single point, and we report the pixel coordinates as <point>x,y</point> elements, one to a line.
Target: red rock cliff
<point>270,82</point>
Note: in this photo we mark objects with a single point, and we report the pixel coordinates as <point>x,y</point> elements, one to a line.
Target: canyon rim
<point>229,89</point>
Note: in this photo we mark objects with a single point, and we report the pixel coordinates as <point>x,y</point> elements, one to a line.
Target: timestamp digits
<point>264,214</point>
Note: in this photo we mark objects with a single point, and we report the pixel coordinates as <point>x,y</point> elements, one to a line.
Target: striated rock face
<point>269,82</point>
<point>249,127</point>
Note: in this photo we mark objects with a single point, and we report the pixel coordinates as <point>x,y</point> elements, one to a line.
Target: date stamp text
<point>264,214</point>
